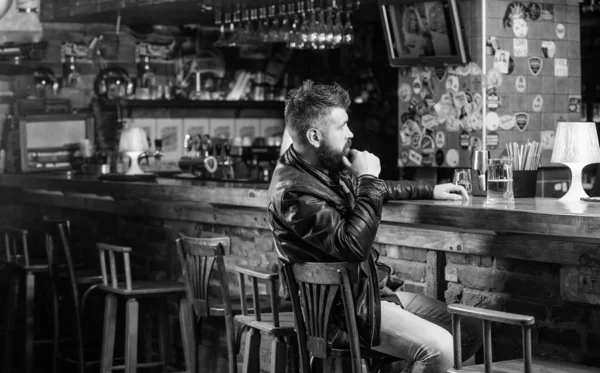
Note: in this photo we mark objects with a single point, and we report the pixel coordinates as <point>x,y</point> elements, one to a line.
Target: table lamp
<point>133,142</point>
<point>575,145</point>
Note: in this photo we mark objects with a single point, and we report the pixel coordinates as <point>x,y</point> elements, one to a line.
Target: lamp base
<point>575,192</point>
<point>134,168</point>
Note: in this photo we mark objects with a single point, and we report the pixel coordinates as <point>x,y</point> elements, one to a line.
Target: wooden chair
<point>279,325</point>
<point>16,247</point>
<point>526,365</point>
<point>132,290</point>
<point>14,275</point>
<point>314,288</point>
<point>62,272</point>
<point>199,257</point>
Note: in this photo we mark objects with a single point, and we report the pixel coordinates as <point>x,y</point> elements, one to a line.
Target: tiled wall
<point>530,101</point>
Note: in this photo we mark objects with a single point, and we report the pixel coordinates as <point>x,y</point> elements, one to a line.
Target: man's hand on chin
<point>450,192</point>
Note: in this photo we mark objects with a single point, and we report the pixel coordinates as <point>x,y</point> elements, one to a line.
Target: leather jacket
<point>317,217</point>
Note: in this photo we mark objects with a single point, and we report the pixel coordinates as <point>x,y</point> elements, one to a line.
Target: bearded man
<point>325,205</point>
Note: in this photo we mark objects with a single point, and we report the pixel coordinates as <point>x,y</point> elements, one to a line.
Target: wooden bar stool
<point>16,248</point>
<point>131,290</point>
<point>66,283</point>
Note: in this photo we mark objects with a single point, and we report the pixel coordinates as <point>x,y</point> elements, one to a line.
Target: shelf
<point>200,104</point>
<point>132,12</point>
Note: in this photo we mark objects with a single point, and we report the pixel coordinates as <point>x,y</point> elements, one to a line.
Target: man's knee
<point>438,352</point>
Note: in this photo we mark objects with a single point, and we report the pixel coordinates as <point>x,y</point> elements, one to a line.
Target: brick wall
<point>563,330</point>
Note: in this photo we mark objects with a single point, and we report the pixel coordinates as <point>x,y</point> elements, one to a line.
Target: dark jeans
<point>419,333</point>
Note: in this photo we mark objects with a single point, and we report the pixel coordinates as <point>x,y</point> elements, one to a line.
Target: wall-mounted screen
<point>423,32</point>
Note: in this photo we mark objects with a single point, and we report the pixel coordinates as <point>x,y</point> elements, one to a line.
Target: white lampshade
<point>576,142</point>
<point>133,140</point>
<point>575,145</point>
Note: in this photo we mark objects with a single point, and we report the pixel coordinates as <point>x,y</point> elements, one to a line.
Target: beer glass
<point>462,176</point>
<point>500,182</point>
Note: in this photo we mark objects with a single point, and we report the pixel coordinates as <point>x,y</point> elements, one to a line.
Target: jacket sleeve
<point>347,237</point>
<point>408,190</point>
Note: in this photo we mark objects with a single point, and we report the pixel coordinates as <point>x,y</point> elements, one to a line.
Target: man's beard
<point>330,158</point>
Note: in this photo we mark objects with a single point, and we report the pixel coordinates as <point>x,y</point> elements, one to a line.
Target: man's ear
<point>314,137</point>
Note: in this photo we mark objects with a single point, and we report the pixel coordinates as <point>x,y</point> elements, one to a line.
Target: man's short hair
<point>306,106</point>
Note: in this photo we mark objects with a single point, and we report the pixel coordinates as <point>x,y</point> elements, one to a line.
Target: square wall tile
<point>271,127</point>
<point>170,130</point>
<point>247,127</point>
<point>222,128</point>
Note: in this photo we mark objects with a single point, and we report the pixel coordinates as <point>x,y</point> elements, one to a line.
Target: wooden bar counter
<point>539,257</point>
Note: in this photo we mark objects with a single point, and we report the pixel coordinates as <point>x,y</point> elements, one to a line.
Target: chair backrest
<point>58,253</point>
<point>15,245</point>
<point>111,279</point>
<point>313,289</point>
<point>526,322</point>
<point>255,276</point>
<point>198,257</point>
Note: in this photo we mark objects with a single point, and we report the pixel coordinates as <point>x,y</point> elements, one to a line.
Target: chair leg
<point>55,332</point>
<point>132,312</point>
<point>29,319</point>
<point>186,324</point>
<point>11,319</point>
<point>252,352</point>
<point>108,336</point>
<point>292,355</point>
<point>278,355</point>
<point>163,335</point>
<point>231,343</point>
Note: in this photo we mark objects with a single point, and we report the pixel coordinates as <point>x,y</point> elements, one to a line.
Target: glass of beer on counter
<point>462,176</point>
<point>500,182</point>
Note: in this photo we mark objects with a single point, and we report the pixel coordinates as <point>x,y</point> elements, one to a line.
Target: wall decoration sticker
<point>452,157</point>
<point>535,65</point>
<point>439,157</point>
<point>560,31</point>
<point>520,47</point>
<point>520,28</point>
<point>464,141</point>
<point>452,83</point>
<point>416,86</point>
<point>440,139</point>
<point>501,59</point>
<point>547,139</point>
<point>404,157</point>
<point>492,121</point>
<point>440,73</point>
<point>514,10</point>
<point>522,121</point>
<point>547,12</point>
<point>415,157</point>
<point>507,122</point>
<point>538,103</point>
<point>520,83</point>
<point>548,48</point>
<point>533,11</point>
<point>494,78</point>
<point>561,67</point>
<point>474,143</point>
<point>492,140</point>
<point>405,92</point>
<point>574,103</point>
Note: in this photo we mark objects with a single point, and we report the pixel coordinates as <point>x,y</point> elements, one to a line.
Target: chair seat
<point>539,365</point>
<point>285,328</point>
<point>146,288</point>
<point>217,309</point>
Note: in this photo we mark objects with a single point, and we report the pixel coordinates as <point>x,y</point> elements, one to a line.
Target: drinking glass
<point>462,176</point>
<point>500,182</point>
